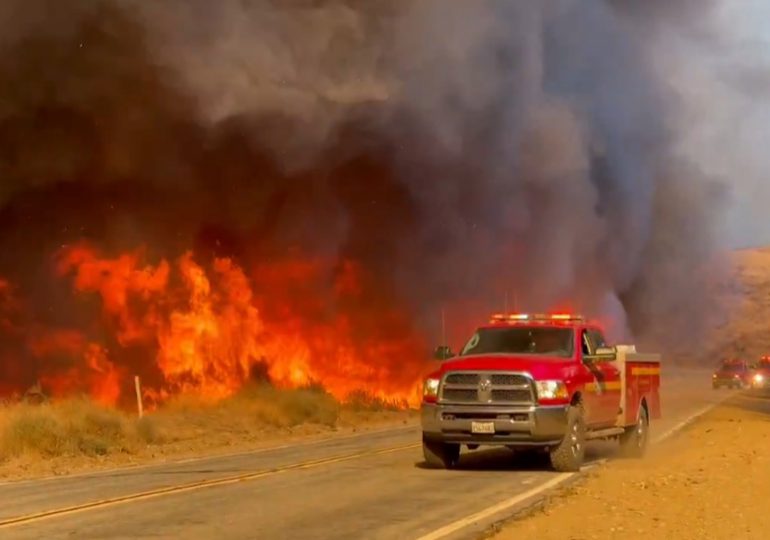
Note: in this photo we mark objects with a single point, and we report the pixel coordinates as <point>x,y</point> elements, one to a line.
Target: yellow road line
<point>192,486</point>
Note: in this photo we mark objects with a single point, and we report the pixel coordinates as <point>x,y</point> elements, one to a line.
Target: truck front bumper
<point>513,426</point>
<point>730,382</point>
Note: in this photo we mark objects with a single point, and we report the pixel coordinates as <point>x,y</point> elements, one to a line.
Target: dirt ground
<point>711,481</point>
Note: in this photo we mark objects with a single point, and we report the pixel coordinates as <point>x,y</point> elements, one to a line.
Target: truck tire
<point>633,442</point>
<point>440,455</point>
<point>569,454</point>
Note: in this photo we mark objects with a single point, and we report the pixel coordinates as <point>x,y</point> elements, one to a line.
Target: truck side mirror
<point>443,352</point>
<point>606,352</point>
<point>601,354</point>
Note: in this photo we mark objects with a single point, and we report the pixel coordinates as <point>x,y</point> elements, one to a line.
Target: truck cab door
<point>604,390</point>
<point>590,378</point>
<point>610,380</point>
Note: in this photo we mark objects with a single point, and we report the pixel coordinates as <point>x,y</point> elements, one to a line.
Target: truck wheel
<point>568,456</point>
<point>440,455</point>
<point>633,443</point>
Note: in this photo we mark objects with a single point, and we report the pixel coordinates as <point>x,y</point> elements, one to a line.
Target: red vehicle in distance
<point>760,373</point>
<point>547,382</point>
<point>731,373</point>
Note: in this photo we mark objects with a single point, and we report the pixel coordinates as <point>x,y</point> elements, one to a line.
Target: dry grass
<point>246,416</point>
<point>361,401</point>
<point>75,427</point>
<point>60,437</point>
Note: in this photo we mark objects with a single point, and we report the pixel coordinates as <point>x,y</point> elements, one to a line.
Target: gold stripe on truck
<point>645,371</point>
<point>603,387</point>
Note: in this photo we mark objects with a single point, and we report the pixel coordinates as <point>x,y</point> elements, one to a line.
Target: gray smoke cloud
<point>463,151</point>
<point>727,103</point>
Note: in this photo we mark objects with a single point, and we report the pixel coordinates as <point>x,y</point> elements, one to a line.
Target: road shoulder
<point>709,481</point>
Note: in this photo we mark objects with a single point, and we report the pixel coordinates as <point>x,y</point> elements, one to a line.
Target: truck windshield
<point>732,367</point>
<point>521,340</point>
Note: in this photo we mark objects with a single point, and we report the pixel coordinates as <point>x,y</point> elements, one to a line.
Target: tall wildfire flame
<point>207,329</point>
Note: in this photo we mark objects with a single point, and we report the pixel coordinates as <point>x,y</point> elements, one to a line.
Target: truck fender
<point>652,402</point>
<point>643,405</point>
<point>634,416</point>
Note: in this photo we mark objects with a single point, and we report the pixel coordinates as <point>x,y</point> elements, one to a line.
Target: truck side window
<point>586,343</point>
<point>597,339</point>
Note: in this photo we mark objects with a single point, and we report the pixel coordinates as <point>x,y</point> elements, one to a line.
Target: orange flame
<point>94,373</point>
<point>208,331</point>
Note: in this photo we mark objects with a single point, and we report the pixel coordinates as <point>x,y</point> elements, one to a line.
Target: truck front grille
<point>461,395</point>
<point>462,378</point>
<point>508,379</point>
<point>511,395</point>
<point>489,388</point>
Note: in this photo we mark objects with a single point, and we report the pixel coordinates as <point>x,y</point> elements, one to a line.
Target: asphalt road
<point>369,486</point>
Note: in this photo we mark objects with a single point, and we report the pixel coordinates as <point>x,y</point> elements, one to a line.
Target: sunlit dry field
<point>64,436</point>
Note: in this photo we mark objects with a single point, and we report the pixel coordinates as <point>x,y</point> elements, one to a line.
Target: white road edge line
<point>499,507</point>
<point>554,482</point>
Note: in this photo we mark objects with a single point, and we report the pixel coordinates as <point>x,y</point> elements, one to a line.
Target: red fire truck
<point>760,373</point>
<point>732,373</point>
<point>539,381</point>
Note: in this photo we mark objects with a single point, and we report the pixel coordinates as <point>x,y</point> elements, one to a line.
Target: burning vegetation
<point>210,194</point>
<point>189,329</point>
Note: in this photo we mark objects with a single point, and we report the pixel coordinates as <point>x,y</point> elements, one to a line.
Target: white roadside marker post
<point>137,386</point>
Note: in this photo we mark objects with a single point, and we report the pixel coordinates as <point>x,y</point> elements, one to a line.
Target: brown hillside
<point>745,300</point>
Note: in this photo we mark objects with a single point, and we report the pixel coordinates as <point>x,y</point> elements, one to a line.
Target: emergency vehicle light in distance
<point>501,317</point>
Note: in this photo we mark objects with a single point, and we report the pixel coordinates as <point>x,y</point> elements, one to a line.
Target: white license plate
<point>482,427</point>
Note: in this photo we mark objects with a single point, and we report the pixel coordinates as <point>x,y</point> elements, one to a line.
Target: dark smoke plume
<point>460,151</point>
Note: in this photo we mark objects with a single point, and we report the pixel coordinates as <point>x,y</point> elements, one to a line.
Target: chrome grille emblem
<point>485,389</point>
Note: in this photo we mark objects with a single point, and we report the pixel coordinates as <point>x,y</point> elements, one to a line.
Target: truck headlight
<point>551,390</point>
<point>430,388</point>
<point>758,377</point>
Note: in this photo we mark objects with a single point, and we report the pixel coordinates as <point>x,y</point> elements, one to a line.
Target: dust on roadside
<point>711,481</point>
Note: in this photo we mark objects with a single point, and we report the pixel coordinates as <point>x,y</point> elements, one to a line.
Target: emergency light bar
<point>568,317</point>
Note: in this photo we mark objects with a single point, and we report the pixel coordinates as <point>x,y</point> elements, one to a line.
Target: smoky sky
<point>463,152</point>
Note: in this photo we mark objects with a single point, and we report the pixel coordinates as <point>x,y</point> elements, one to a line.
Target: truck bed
<point>640,380</point>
